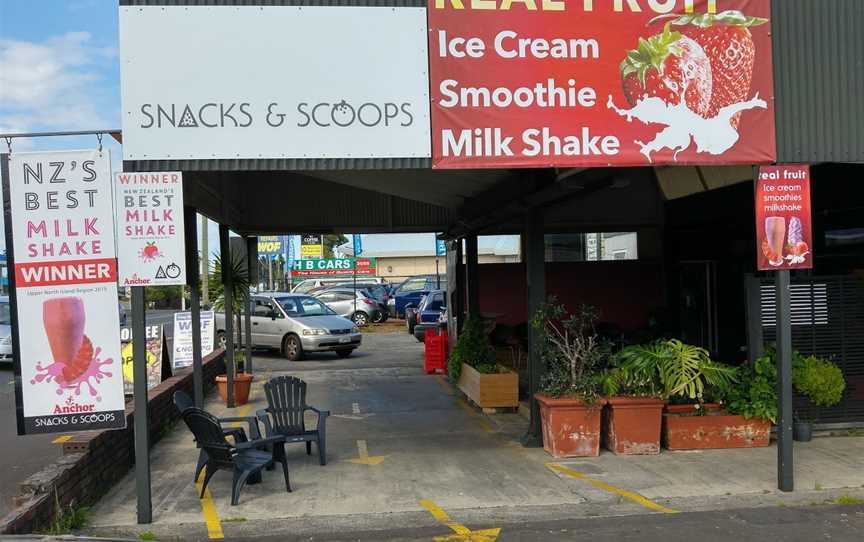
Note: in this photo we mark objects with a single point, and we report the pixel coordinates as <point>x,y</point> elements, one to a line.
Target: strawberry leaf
<point>704,20</point>
<point>652,53</point>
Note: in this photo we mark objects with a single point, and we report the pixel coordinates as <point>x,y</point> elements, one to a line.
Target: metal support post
<point>193,280</point>
<point>785,473</point>
<point>535,266</point>
<point>472,275</point>
<point>228,303</point>
<point>142,417</point>
<point>251,249</point>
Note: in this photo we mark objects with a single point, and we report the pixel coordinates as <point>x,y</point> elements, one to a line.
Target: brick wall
<point>93,462</point>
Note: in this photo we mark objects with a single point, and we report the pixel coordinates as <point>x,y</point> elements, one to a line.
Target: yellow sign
<point>154,358</point>
<point>311,251</point>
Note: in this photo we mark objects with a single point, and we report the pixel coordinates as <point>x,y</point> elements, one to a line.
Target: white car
<point>296,324</point>
<point>5,331</point>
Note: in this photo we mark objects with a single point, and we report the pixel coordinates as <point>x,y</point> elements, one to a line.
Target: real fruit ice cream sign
<point>528,83</point>
<point>784,236</point>
<point>151,247</point>
<point>67,331</point>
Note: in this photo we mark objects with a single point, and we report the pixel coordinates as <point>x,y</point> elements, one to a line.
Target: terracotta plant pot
<point>242,385</point>
<point>633,425</point>
<point>490,390</point>
<point>571,428</point>
<point>684,431</point>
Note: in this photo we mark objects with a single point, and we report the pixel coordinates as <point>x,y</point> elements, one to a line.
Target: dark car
<point>411,292</point>
<point>428,315</point>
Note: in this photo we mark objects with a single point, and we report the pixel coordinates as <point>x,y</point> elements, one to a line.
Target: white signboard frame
<point>228,82</point>
<point>151,248</point>
<point>66,327</point>
<point>182,349</point>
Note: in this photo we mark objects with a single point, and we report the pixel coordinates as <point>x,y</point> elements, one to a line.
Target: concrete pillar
<point>472,276</point>
<point>535,266</point>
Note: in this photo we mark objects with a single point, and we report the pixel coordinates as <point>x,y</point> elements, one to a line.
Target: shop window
<point>592,247</point>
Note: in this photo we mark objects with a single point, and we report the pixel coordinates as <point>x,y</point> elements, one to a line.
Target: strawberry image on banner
<point>601,83</point>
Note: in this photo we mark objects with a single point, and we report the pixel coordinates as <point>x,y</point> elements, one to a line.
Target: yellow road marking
<point>244,410</point>
<point>635,497</point>
<point>363,457</point>
<point>61,440</point>
<point>462,533</point>
<point>211,516</point>
<point>443,384</point>
<point>484,423</point>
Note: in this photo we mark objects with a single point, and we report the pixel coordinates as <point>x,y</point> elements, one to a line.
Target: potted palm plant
<point>240,287</point>
<point>474,367</point>
<point>570,404</point>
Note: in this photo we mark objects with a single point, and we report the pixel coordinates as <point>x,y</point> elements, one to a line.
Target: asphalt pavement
<point>26,455</point>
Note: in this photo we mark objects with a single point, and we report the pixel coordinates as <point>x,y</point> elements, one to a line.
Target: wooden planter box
<point>712,431</point>
<point>571,428</point>
<point>490,391</point>
<point>633,425</point>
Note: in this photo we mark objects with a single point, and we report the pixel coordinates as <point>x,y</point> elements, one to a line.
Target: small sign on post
<point>783,226</point>
<point>151,249</point>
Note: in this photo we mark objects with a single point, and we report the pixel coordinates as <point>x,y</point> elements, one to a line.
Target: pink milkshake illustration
<point>775,234</point>
<point>75,362</point>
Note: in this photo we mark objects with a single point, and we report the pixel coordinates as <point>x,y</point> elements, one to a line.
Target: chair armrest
<point>324,413</point>
<point>259,442</point>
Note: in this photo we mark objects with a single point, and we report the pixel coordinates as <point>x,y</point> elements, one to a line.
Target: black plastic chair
<point>182,401</point>
<point>244,459</point>
<point>286,405</point>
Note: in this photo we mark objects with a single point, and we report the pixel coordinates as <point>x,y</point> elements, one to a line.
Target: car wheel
<point>360,318</point>
<point>344,353</point>
<point>420,338</point>
<point>410,323</point>
<point>220,340</point>
<point>292,348</point>
<point>378,318</point>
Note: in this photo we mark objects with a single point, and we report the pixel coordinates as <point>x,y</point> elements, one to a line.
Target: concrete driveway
<point>406,452</point>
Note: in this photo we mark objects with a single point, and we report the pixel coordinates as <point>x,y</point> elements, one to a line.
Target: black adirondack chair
<point>182,401</point>
<point>244,459</point>
<point>286,405</point>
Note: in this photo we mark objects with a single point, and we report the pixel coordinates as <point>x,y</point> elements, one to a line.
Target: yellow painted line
<point>243,411</point>
<point>211,516</point>
<point>462,533</point>
<point>635,497</point>
<point>443,384</point>
<point>61,440</point>
<point>363,457</point>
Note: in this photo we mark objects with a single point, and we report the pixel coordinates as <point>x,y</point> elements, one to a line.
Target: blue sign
<point>440,247</point>
<point>358,245</point>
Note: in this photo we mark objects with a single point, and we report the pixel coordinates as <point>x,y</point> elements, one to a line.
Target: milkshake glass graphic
<point>63,318</point>
<point>775,233</point>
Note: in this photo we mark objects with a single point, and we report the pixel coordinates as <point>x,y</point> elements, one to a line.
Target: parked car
<point>305,286</point>
<point>375,291</point>
<point>357,305</point>
<point>5,331</point>
<point>296,324</point>
<point>428,315</point>
<point>411,292</point>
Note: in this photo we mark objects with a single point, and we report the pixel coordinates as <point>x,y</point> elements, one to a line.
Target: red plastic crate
<point>436,351</point>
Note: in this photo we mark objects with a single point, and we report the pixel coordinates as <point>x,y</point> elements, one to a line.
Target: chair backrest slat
<point>286,403</point>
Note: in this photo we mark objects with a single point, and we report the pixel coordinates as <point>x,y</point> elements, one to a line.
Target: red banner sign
<point>539,83</point>
<point>783,225</point>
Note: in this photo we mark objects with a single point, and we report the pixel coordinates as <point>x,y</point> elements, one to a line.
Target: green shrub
<point>755,393</point>
<point>820,380</point>
<point>472,348</point>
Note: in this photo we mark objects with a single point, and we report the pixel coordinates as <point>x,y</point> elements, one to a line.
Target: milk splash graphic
<point>713,136</point>
<point>76,363</point>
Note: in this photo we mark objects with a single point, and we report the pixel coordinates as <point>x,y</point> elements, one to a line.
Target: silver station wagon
<point>296,324</point>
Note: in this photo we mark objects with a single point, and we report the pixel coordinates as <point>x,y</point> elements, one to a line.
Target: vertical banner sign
<point>440,247</point>
<point>155,340</point>
<point>151,249</point>
<point>358,245</point>
<point>784,237</point>
<point>600,83</point>
<point>311,246</point>
<point>60,229</point>
<point>182,355</point>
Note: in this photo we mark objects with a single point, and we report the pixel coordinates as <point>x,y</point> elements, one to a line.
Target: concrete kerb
<point>435,450</point>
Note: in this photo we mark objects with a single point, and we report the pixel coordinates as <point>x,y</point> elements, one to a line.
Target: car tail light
<point>368,301</point>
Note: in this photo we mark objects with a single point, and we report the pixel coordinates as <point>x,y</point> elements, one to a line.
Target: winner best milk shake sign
<point>66,333</point>
<point>151,249</point>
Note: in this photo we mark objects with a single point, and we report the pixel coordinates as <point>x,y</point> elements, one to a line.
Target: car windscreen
<point>299,307</point>
<point>5,315</point>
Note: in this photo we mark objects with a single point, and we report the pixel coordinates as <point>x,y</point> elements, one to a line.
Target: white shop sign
<point>183,338</point>
<point>205,82</point>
